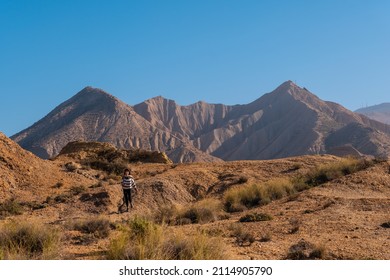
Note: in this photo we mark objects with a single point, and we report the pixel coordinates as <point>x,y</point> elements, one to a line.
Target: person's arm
<point>135,186</point>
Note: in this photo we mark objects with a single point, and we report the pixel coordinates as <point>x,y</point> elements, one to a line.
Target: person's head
<point>126,172</point>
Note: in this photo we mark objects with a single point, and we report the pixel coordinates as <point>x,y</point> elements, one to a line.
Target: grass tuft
<point>24,241</point>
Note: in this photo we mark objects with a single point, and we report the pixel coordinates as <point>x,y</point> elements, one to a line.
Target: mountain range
<point>288,121</point>
<point>379,112</point>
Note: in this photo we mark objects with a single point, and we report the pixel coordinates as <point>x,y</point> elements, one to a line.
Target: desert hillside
<point>315,207</point>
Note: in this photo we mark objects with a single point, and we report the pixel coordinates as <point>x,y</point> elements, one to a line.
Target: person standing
<point>128,184</point>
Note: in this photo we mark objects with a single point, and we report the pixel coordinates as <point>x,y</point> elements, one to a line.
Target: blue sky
<point>228,52</point>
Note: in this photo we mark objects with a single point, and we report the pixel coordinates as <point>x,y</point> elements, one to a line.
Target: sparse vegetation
<point>236,200</point>
<point>386,225</point>
<point>203,211</point>
<point>72,166</point>
<point>331,171</point>
<point>61,198</point>
<point>142,239</point>
<point>243,236</point>
<point>166,214</point>
<point>76,190</point>
<point>29,241</point>
<point>295,225</point>
<point>241,198</point>
<point>97,227</point>
<point>116,167</point>
<point>266,237</point>
<point>255,217</point>
<point>304,250</point>
<point>58,185</point>
<point>10,207</point>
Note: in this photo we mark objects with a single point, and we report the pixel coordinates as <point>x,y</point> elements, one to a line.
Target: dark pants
<point>127,197</point>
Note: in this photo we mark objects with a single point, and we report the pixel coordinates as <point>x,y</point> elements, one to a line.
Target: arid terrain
<point>344,215</point>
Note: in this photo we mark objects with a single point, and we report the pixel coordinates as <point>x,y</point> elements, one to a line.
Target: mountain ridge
<point>288,121</point>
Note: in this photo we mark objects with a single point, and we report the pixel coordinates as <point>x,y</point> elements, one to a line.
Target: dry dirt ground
<point>343,217</point>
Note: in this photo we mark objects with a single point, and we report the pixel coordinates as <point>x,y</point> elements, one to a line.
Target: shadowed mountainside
<point>289,121</point>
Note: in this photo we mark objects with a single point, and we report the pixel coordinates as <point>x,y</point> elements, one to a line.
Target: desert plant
<point>203,211</point>
<point>266,237</point>
<point>334,170</point>
<point>58,185</point>
<point>243,237</point>
<point>10,207</point>
<point>61,198</point>
<point>72,166</point>
<point>295,225</point>
<point>257,194</point>
<point>255,217</point>
<point>76,190</point>
<point>304,250</point>
<point>29,241</point>
<point>116,167</point>
<point>97,227</point>
<point>143,239</point>
<point>386,225</point>
<point>166,214</point>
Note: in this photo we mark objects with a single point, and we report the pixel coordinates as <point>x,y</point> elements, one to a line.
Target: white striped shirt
<point>128,182</point>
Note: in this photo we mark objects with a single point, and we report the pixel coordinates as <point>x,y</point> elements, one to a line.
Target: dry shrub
<point>243,236</point>
<point>328,172</point>
<point>166,214</point>
<point>97,227</point>
<point>266,237</point>
<point>76,190</point>
<point>255,217</point>
<point>203,211</point>
<point>25,241</point>
<point>72,166</point>
<point>238,199</point>
<point>142,239</point>
<point>10,207</point>
<point>304,250</point>
<point>386,225</point>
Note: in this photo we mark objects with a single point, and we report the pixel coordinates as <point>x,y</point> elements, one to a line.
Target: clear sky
<point>224,51</point>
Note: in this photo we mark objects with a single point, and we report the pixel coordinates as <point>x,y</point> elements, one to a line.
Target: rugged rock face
<point>379,112</point>
<point>94,115</point>
<point>87,151</point>
<point>289,121</point>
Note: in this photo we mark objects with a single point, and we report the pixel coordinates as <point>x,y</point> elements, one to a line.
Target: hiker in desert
<point>128,184</point>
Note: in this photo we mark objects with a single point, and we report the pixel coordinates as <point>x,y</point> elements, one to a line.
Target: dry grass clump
<point>328,172</point>
<point>242,236</point>
<point>96,227</point>
<point>244,197</point>
<point>10,207</point>
<point>304,250</point>
<point>386,225</point>
<point>24,241</point>
<point>76,190</point>
<point>203,211</point>
<point>255,217</point>
<point>111,167</point>
<point>142,239</point>
<point>238,199</point>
